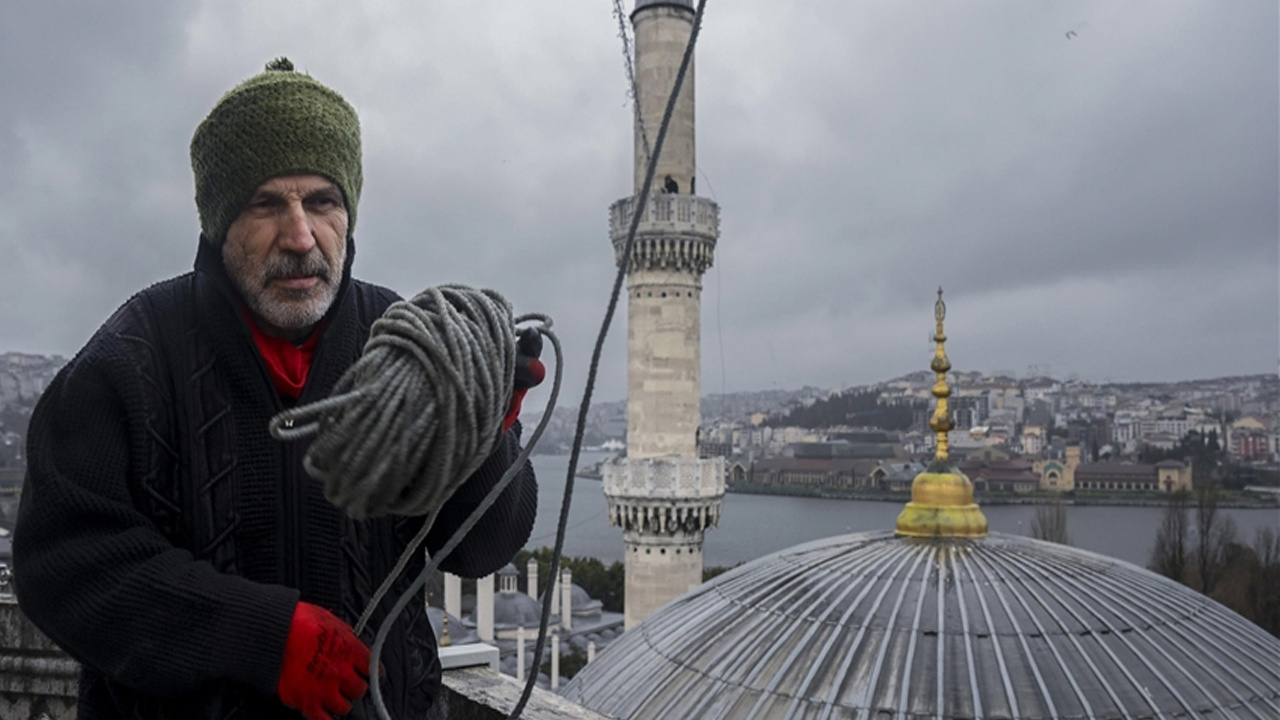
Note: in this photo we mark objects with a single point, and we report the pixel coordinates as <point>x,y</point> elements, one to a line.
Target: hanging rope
<point>632,91</point>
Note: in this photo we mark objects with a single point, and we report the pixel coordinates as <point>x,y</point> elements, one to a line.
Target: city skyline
<point>1102,204</point>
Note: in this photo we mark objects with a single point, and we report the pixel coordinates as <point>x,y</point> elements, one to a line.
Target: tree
<point>1263,588</point>
<point>572,660</point>
<point>1169,556</point>
<point>714,570</point>
<point>1050,523</point>
<point>1215,534</point>
<point>604,583</point>
<point>852,407</point>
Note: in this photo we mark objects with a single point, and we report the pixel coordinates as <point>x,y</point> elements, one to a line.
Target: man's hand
<point>529,371</point>
<point>325,665</point>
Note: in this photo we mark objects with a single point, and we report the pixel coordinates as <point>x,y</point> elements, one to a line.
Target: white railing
<point>687,213</point>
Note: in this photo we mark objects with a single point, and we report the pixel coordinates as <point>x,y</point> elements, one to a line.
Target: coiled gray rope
<point>414,417</point>
<point>419,411</point>
<point>414,589</point>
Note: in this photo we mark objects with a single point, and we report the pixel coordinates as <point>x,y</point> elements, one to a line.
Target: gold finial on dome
<point>445,640</point>
<point>941,497</point>
<point>941,422</point>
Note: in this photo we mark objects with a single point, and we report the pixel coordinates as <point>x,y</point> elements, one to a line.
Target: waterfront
<point>755,525</point>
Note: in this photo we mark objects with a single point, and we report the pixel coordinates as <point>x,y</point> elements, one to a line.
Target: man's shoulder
<point>131,336</point>
<point>373,299</point>
<point>161,301</point>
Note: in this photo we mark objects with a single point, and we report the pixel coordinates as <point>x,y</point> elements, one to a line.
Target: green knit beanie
<point>279,122</point>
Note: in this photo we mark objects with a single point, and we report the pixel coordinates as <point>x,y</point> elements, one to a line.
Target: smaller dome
<point>508,570</point>
<point>581,602</point>
<point>516,610</point>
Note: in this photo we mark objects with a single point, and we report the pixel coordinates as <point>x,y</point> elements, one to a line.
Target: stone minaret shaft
<point>661,494</point>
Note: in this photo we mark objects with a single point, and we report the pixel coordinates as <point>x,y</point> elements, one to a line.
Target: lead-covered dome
<point>877,625</point>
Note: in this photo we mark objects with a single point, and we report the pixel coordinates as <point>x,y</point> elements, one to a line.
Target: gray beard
<point>282,308</point>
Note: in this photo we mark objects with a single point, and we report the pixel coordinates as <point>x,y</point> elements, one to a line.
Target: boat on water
<point>594,471</point>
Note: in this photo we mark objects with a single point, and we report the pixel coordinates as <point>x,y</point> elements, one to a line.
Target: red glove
<point>529,372</point>
<point>325,664</point>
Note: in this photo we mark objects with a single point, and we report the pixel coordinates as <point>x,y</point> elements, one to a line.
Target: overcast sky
<point>1103,204</point>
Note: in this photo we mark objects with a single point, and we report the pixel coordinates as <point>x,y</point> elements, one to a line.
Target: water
<point>755,525</point>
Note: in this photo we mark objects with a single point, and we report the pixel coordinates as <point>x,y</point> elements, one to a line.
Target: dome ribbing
<point>874,625</point>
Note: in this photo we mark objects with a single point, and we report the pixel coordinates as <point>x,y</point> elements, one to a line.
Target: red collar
<point>287,363</point>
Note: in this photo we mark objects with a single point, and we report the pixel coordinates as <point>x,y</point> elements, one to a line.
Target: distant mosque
<point>508,619</point>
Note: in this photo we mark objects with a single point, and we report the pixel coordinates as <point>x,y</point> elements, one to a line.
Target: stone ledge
<point>479,693</point>
<point>456,657</point>
<point>37,679</point>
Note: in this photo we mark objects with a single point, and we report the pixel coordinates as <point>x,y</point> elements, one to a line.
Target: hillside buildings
<point>1017,437</point>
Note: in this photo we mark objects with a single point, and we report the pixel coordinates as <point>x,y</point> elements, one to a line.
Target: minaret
<point>661,493</point>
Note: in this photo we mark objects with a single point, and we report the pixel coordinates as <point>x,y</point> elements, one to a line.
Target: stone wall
<point>478,693</point>
<point>37,680</point>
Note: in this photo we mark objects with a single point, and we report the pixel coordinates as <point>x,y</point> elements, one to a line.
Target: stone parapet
<point>479,693</point>
<point>37,679</point>
<point>40,682</point>
<point>647,479</point>
<point>672,498</point>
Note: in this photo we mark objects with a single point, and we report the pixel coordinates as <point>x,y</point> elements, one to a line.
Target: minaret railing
<point>664,212</point>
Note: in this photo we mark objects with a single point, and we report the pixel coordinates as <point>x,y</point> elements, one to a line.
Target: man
<point>164,539</point>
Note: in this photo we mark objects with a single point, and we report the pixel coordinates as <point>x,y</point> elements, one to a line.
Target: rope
<point>632,91</point>
<point>410,366</point>
<point>420,410</point>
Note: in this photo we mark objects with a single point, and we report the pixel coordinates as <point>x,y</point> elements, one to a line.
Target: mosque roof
<point>881,625</point>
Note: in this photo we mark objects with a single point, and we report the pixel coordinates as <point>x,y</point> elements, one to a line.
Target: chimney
<point>533,578</point>
<point>453,595</point>
<point>484,608</point>
<point>566,599</point>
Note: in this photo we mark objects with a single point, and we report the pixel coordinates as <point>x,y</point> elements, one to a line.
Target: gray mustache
<point>292,266</point>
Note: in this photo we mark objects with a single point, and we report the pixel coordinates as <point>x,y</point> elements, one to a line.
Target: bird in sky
<point>1071,34</point>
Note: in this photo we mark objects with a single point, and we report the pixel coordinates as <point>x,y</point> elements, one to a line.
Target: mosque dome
<point>938,620</point>
<point>880,625</point>
<point>516,609</point>
<point>580,603</point>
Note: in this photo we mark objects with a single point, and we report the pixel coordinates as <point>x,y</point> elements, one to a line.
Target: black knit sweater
<point>164,537</point>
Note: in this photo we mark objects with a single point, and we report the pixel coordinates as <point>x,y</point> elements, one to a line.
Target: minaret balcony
<point>676,232</point>
<point>668,478</point>
<point>666,214</point>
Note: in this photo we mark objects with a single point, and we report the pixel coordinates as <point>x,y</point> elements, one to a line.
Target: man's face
<point>286,250</point>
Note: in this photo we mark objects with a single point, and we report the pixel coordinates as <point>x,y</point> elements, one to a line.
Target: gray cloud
<point>1105,204</point>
